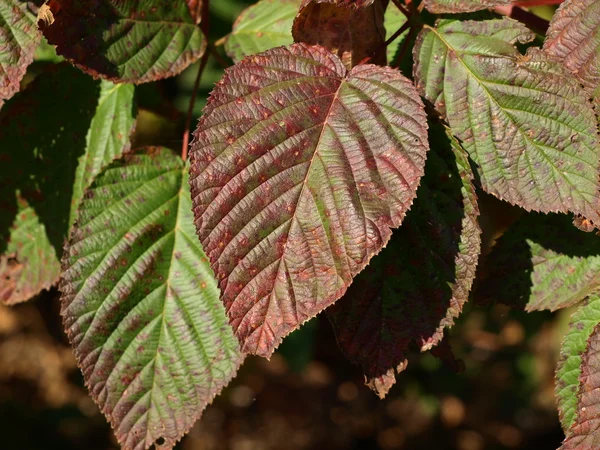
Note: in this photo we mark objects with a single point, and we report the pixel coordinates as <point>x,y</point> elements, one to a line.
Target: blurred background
<point>308,396</point>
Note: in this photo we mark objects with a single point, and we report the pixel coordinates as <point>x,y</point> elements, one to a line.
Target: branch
<point>401,7</point>
<point>532,21</point>
<point>188,118</point>
<point>205,27</point>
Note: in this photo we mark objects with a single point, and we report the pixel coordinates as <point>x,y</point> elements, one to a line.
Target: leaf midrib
<point>509,116</point>
<point>293,219</point>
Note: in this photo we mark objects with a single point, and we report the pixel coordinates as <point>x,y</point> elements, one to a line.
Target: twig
<point>401,7</point>
<point>405,44</point>
<point>392,38</point>
<point>188,118</point>
<point>398,32</point>
<point>215,54</point>
<point>205,27</point>
<point>532,21</point>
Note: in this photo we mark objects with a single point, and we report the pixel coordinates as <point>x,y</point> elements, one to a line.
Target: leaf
<point>574,39</point>
<point>352,30</point>
<point>299,170</point>
<point>420,281</point>
<point>584,434</point>
<point>262,26</point>
<point>29,262</point>
<point>581,326</point>
<point>108,136</point>
<point>42,133</point>
<point>268,24</point>
<point>542,262</point>
<point>18,39</point>
<point>140,303</point>
<point>133,41</point>
<point>461,6</point>
<point>528,126</point>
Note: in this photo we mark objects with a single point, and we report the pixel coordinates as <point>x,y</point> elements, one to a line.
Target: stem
<point>398,32</point>
<point>188,118</point>
<point>405,44</point>
<point>205,27</point>
<point>401,7</point>
<point>532,21</point>
<point>392,38</point>
<point>215,54</point>
<point>415,24</point>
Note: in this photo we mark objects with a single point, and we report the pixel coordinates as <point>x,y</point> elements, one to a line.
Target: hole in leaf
<point>160,442</point>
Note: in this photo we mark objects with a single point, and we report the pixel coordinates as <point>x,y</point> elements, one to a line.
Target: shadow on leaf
<point>541,262</point>
<point>418,284</point>
<point>77,32</point>
<point>42,133</point>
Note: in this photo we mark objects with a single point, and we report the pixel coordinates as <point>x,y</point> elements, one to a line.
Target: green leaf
<point>29,263</point>
<point>574,39</point>
<point>300,168</point>
<point>461,6</point>
<point>584,434</point>
<point>262,26</point>
<point>568,370</point>
<point>108,136</point>
<point>527,125</point>
<point>419,283</point>
<point>133,41</point>
<point>140,303</point>
<point>19,37</point>
<point>42,133</point>
<point>542,262</point>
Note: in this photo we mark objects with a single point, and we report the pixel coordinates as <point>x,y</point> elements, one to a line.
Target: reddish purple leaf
<point>19,37</point>
<point>300,168</point>
<point>574,39</point>
<point>418,284</point>
<point>352,30</point>
<point>585,432</point>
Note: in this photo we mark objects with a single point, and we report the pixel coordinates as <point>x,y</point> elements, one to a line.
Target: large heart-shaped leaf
<point>568,370</point>
<point>140,303</point>
<point>574,39</point>
<point>262,26</point>
<point>420,281</point>
<point>585,432</point>
<point>542,262</point>
<point>527,125</point>
<point>108,136</point>
<point>42,133</point>
<point>19,37</point>
<point>300,168</point>
<point>132,40</point>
